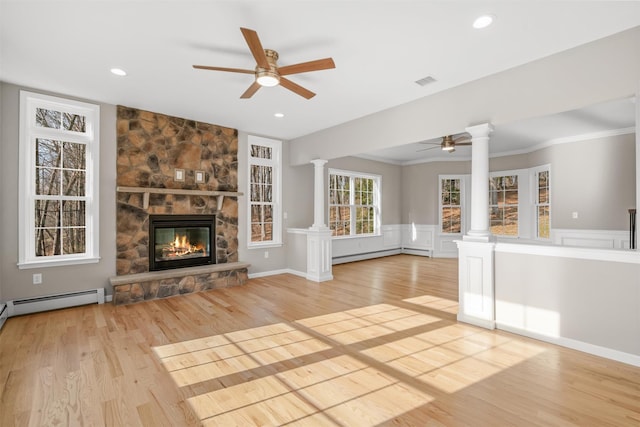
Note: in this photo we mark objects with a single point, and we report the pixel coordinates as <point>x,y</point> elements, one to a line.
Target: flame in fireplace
<point>181,247</point>
<point>181,242</point>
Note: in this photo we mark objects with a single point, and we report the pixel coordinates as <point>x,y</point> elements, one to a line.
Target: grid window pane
<point>48,153</point>
<point>48,118</point>
<point>352,208</point>
<point>543,208</point>
<point>262,196</point>
<point>451,213</point>
<point>503,205</point>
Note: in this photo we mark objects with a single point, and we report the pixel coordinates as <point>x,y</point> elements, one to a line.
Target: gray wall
<point>16,283</point>
<point>595,178</point>
<point>420,189</point>
<point>587,300</point>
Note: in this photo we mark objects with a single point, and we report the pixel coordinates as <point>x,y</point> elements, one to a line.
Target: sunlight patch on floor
<point>363,366</point>
<point>435,303</point>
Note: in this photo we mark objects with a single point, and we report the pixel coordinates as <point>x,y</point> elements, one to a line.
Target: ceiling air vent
<point>425,81</point>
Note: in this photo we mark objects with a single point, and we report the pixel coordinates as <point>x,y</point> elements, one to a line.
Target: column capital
<point>319,162</point>
<point>479,131</point>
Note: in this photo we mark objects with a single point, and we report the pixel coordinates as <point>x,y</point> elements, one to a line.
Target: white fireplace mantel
<point>146,191</point>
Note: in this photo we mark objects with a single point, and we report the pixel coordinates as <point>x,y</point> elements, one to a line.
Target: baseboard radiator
<point>53,302</point>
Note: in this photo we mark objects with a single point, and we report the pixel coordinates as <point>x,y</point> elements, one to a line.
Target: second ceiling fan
<point>267,73</point>
<point>448,143</point>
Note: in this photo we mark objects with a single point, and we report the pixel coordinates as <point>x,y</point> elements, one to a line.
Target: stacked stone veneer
<point>151,147</point>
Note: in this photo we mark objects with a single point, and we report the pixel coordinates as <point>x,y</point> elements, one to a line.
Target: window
<point>450,205</point>
<point>354,203</point>
<point>542,203</point>
<point>59,147</point>
<point>503,205</point>
<point>264,189</point>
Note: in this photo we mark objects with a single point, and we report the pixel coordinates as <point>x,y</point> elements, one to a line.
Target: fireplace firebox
<point>177,241</point>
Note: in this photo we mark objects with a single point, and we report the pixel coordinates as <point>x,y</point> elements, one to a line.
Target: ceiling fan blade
<point>427,149</point>
<point>256,47</point>
<point>463,143</point>
<point>232,70</point>
<point>304,67</point>
<point>294,87</point>
<point>251,91</point>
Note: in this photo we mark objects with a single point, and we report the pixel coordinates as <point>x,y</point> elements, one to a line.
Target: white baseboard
<point>365,255</point>
<point>419,252</point>
<point>596,350</point>
<point>276,272</point>
<point>29,305</point>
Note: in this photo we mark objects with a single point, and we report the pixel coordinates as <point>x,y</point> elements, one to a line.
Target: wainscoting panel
<point>418,239</point>
<point>605,239</point>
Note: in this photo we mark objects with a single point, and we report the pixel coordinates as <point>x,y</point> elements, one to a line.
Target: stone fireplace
<point>169,169</point>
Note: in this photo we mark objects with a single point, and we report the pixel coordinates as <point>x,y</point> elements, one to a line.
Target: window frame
<point>462,179</point>
<point>29,132</point>
<point>276,163</point>
<point>521,177</point>
<point>535,172</point>
<point>377,202</point>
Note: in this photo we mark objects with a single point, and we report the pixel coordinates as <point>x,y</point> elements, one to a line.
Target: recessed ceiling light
<point>279,115</point>
<point>118,72</point>
<point>483,21</point>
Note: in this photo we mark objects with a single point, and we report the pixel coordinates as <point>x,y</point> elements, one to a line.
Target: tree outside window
<point>451,205</point>
<point>353,203</point>
<point>543,205</point>
<point>503,205</point>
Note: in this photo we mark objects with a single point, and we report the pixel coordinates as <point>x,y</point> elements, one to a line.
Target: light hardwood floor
<point>378,345</point>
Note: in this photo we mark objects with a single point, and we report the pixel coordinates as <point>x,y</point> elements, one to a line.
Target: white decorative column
<point>476,250</point>
<point>319,235</point>
<point>479,182</point>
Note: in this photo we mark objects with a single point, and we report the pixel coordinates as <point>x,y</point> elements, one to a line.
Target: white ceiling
<point>380,49</point>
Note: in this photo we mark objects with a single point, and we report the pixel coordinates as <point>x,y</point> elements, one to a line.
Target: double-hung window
<point>503,205</point>
<point>542,202</point>
<point>264,192</point>
<point>451,194</point>
<point>354,203</point>
<point>59,148</point>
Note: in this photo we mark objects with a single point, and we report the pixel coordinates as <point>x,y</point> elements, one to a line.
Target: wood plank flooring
<point>378,345</point>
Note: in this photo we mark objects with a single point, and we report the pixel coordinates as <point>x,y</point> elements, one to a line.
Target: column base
<point>319,267</point>
<point>476,292</point>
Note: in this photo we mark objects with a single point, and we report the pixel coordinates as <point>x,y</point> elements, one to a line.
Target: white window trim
<point>523,189</point>
<point>29,101</point>
<point>533,174</point>
<point>276,163</point>
<point>463,179</point>
<point>377,202</point>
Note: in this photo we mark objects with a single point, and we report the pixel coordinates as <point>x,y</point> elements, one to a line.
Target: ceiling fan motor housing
<point>268,77</point>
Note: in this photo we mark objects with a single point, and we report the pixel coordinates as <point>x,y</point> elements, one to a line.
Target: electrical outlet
<point>37,279</point>
<point>574,215</point>
<point>266,254</point>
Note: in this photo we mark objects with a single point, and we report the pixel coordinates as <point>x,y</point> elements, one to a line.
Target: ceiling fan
<point>267,73</point>
<point>448,143</point>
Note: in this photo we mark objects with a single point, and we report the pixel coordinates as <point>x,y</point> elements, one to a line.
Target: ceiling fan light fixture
<point>267,78</point>
<point>448,144</point>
